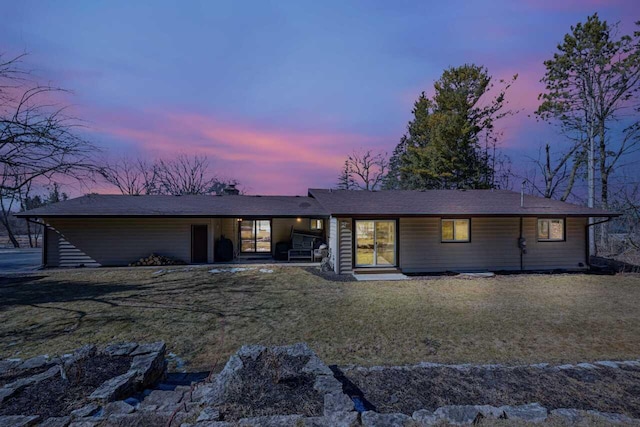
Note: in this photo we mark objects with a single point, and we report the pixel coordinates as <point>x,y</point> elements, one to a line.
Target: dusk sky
<point>278,93</point>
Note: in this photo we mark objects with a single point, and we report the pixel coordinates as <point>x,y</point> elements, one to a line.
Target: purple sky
<point>278,93</point>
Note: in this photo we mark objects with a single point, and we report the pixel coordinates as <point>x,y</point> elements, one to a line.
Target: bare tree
<point>131,176</point>
<point>38,139</point>
<point>364,170</point>
<point>559,174</point>
<point>187,175</point>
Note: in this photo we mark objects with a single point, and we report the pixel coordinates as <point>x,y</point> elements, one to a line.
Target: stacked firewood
<point>156,260</point>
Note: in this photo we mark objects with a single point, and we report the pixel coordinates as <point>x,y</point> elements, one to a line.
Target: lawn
<point>204,316</point>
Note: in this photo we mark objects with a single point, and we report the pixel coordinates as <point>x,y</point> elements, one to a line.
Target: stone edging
<point>148,366</point>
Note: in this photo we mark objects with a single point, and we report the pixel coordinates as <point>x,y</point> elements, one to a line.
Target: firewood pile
<point>156,260</point>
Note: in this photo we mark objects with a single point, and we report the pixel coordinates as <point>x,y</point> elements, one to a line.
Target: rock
<point>211,424</point>
<point>146,419</point>
<point>85,411</point>
<point>532,412</point>
<point>18,420</point>
<point>586,366</point>
<point>149,368</point>
<point>9,364</point>
<point>163,399</point>
<point>298,349</point>
<point>6,393</point>
<point>120,349</point>
<point>343,419</point>
<point>613,418</point>
<point>571,416</point>
<point>326,384</point>
<point>115,388</point>
<point>337,402</point>
<point>56,422</point>
<point>271,421</point>
<point>425,417</point>
<point>154,347</point>
<point>314,422</point>
<point>23,382</point>
<point>85,423</point>
<point>216,390</point>
<point>118,407</point>
<point>34,362</point>
<point>608,364</point>
<point>374,419</point>
<point>466,414</point>
<point>251,351</point>
<point>315,366</point>
<point>209,414</point>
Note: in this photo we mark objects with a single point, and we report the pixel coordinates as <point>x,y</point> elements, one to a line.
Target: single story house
<point>409,231</point>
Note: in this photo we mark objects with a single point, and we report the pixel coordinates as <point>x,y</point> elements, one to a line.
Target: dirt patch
<point>56,397</point>
<point>408,390</point>
<point>271,384</point>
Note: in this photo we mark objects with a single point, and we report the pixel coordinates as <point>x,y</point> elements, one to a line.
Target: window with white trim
<point>456,230</point>
<point>316,224</point>
<point>550,229</point>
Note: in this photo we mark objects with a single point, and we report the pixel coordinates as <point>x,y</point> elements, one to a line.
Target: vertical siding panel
<point>333,243</point>
<point>345,237</point>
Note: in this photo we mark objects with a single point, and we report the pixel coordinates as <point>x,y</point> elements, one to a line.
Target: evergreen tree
<point>451,141</point>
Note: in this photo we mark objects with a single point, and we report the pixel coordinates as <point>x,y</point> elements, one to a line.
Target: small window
<point>455,230</point>
<point>550,230</point>
<point>316,224</point>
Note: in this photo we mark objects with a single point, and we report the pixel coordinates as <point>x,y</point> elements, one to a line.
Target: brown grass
<point>509,319</point>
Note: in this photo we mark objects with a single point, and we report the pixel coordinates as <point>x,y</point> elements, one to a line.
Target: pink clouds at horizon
<point>264,160</point>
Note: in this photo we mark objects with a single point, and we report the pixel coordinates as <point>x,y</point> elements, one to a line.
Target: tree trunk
<point>591,176</point>
<point>604,186</point>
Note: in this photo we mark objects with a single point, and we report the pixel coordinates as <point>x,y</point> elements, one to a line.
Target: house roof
<point>445,203</point>
<point>319,203</point>
<point>99,205</point>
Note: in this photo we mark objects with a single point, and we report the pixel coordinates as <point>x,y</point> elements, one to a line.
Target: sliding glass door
<point>255,236</point>
<point>375,243</point>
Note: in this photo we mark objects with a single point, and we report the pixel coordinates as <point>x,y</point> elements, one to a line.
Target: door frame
<point>206,227</point>
<point>354,248</point>
<point>255,239</point>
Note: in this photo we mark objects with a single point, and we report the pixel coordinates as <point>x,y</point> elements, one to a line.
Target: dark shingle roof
<point>98,205</point>
<point>445,202</point>
<point>322,203</point>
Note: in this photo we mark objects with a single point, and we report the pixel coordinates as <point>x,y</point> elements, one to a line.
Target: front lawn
<point>510,319</point>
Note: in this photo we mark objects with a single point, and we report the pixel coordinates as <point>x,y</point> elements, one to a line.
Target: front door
<point>255,236</point>
<point>199,247</point>
<point>375,243</point>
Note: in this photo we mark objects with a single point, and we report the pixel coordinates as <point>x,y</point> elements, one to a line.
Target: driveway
<point>19,260</point>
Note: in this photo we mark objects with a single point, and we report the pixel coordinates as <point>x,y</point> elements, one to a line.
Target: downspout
<point>586,236</point>
<point>520,240</point>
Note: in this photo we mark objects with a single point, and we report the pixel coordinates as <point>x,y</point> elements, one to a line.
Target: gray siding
<point>556,255</point>
<point>493,246</point>
<point>120,241</point>
<point>345,239</point>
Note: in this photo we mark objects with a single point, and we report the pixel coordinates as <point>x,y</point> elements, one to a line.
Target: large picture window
<point>550,229</point>
<point>456,230</point>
